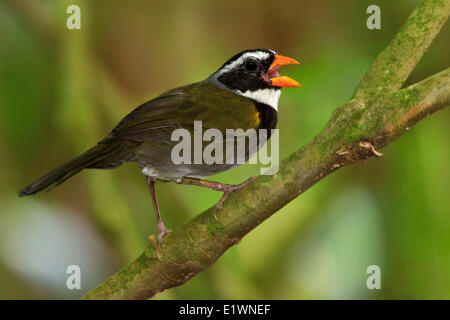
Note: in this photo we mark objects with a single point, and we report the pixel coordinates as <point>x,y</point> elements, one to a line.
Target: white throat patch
<point>267,96</point>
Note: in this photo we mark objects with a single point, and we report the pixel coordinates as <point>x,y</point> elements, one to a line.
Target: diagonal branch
<point>354,133</point>
<point>392,67</point>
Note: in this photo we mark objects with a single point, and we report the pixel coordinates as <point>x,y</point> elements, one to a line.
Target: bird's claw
<point>162,234</point>
<point>229,189</point>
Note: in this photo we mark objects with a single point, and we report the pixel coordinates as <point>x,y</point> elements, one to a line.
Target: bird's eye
<point>250,65</point>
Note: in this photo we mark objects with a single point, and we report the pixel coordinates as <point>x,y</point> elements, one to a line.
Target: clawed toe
<point>225,195</point>
<point>230,188</point>
<point>162,234</point>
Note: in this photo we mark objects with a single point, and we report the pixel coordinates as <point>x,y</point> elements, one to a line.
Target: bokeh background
<point>63,90</point>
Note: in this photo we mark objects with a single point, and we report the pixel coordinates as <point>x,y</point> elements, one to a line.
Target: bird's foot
<point>229,189</point>
<point>162,233</point>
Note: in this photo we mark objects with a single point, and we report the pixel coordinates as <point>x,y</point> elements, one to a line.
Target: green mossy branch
<point>392,67</point>
<point>372,119</point>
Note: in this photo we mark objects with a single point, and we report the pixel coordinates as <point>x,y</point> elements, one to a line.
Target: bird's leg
<point>227,189</point>
<point>161,227</point>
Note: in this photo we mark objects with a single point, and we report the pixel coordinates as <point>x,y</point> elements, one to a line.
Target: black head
<point>247,70</point>
<point>254,74</point>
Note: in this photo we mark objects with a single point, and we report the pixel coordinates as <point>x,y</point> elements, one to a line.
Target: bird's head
<point>254,74</point>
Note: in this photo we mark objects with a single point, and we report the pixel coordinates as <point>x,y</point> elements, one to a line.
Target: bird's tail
<point>102,156</point>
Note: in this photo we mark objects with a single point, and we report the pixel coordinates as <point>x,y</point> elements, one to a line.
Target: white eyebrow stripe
<point>260,55</point>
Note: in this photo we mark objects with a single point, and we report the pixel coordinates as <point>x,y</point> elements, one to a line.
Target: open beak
<point>274,76</point>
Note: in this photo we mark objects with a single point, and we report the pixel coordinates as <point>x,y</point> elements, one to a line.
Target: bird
<point>242,93</point>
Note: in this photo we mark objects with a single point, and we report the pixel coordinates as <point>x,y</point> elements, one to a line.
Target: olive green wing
<point>223,109</point>
<point>159,115</point>
<point>180,107</point>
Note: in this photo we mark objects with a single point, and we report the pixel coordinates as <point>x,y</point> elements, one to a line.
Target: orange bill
<point>284,81</point>
<point>276,79</point>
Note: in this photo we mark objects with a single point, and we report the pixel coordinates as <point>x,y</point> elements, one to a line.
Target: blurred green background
<point>63,90</point>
